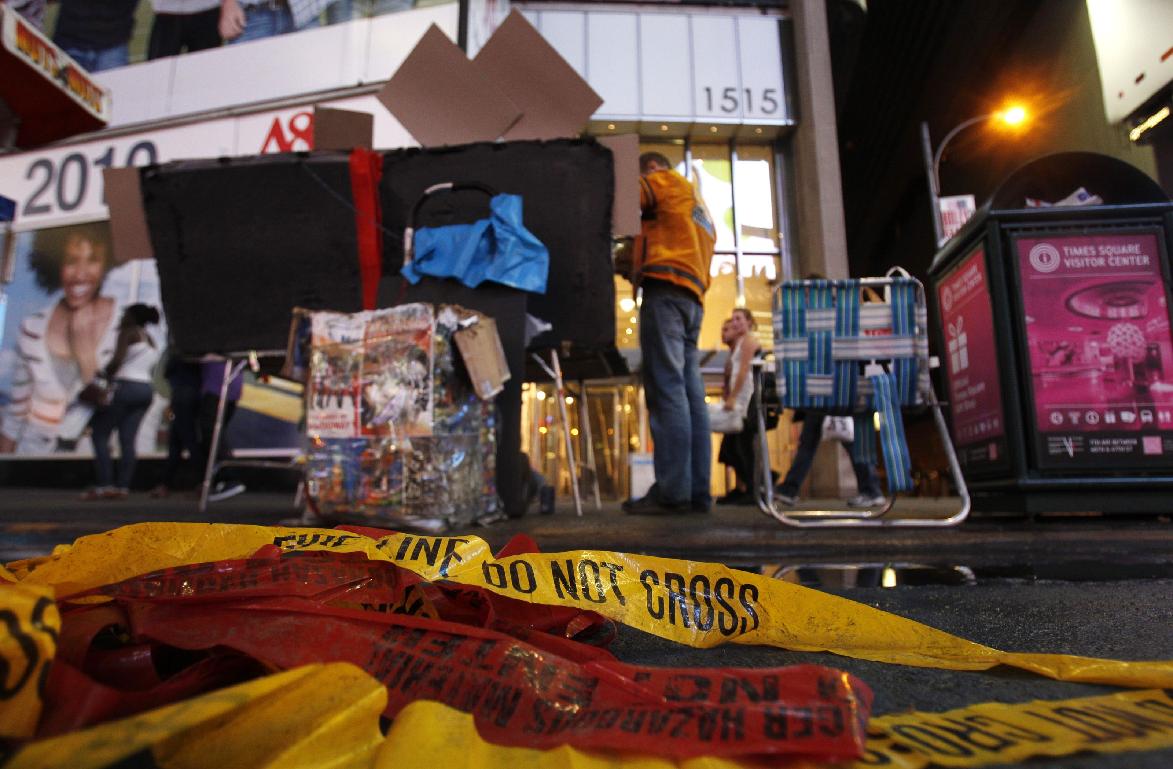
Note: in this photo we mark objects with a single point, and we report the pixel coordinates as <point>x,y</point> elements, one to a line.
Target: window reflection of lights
<point>708,399</point>
<point>888,577</point>
<point>876,420</point>
<point>543,430</point>
<point>628,331</point>
<point>540,395</point>
<point>634,319</point>
<point>627,304</point>
<point>569,400</point>
<point>757,130</point>
<point>574,431</point>
<point>627,408</point>
<point>712,129</point>
<point>610,126</point>
<point>551,455</point>
<point>663,128</point>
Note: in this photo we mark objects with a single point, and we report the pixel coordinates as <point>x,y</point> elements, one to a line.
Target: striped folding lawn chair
<point>836,354</point>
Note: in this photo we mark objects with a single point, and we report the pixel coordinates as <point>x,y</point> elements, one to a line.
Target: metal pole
<point>571,462</point>
<point>933,166</point>
<point>934,185</point>
<point>584,421</point>
<point>230,373</point>
<point>740,282</point>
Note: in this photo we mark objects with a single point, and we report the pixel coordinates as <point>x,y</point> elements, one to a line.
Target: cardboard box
<point>128,221</point>
<point>339,129</point>
<point>484,357</point>
<point>555,101</point>
<point>441,98</point>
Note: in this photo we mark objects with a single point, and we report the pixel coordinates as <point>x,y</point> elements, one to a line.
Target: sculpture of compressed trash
<point>396,434</point>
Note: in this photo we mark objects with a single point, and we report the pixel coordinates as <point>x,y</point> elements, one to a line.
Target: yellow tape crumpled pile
<point>267,723</point>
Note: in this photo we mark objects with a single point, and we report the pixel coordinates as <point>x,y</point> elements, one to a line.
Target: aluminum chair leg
<point>230,372</point>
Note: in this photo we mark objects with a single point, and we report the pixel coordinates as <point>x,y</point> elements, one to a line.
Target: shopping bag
<point>840,429</point>
<point>722,421</point>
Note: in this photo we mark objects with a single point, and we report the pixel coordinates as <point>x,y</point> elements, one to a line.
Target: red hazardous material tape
<point>528,688</point>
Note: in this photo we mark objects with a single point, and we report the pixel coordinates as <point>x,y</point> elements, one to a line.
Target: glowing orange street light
<point>1014,116</point>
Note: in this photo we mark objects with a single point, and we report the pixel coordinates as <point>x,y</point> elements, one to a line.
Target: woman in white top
<point>737,394</point>
<point>130,372</point>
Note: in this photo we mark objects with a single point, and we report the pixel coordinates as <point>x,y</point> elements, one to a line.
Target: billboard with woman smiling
<point>67,291</point>
<point>63,306</point>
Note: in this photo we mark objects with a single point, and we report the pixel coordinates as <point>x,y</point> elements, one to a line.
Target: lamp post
<point>1012,116</point>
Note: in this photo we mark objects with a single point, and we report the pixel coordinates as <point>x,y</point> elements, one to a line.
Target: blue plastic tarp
<point>498,249</point>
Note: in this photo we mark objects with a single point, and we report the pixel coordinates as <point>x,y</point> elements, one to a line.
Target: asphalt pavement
<point>1087,585</point>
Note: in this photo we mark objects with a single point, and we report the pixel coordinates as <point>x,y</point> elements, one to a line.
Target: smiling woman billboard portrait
<point>63,308</point>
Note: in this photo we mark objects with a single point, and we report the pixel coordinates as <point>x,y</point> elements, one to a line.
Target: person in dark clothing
<point>184,380</point>
<point>96,34</point>
<point>866,479</point>
<point>184,25</point>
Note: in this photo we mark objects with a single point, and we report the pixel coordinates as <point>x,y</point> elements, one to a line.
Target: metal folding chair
<point>836,354</point>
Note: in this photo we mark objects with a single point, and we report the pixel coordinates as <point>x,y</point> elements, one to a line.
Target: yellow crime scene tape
<point>698,604</point>
<point>427,734</point>
<point>327,717</point>
<point>317,716</point>
<point>29,627</point>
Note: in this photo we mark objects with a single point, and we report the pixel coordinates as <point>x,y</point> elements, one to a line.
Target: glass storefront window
<point>757,262</point>
<point>712,175</point>
<point>755,198</point>
<point>626,315</point>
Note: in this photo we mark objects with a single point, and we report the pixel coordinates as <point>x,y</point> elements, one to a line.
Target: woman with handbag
<point>126,397</point>
<point>736,416</point>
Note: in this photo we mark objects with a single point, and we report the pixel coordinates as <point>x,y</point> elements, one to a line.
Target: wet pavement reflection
<point>843,576</point>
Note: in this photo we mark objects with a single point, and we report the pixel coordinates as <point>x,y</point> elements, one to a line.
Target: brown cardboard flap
<point>625,214</point>
<point>484,357</point>
<point>555,101</point>
<point>441,98</point>
<point>342,129</point>
<point>128,222</point>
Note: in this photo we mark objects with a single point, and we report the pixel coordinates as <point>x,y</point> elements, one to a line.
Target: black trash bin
<point>1054,327</point>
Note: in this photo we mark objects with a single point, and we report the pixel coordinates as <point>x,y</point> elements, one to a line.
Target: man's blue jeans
<point>669,326</point>
<point>263,21</point>
<point>804,456</point>
<point>345,10</point>
<point>97,59</point>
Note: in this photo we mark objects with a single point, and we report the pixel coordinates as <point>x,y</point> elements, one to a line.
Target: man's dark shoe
<point>700,507</point>
<point>736,498</point>
<point>652,505</point>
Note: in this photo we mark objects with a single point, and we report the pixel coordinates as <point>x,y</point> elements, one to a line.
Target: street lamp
<point>1012,117</point>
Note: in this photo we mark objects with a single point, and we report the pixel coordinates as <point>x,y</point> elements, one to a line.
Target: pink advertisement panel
<point>971,361</point>
<point>1101,359</point>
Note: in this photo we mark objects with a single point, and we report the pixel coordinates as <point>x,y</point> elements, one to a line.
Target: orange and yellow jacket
<point>677,235</point>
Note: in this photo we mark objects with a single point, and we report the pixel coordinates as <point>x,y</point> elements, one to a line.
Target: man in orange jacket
<point>671,266</point>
